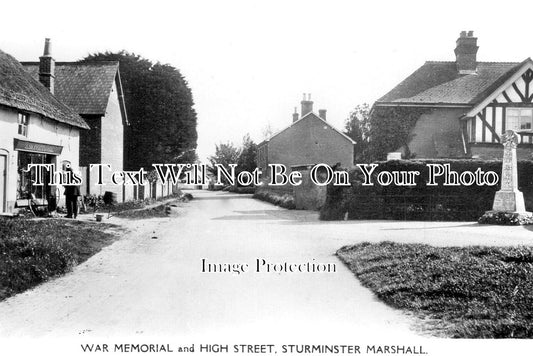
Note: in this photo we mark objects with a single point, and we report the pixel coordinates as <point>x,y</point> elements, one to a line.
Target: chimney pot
<point>47,47</point>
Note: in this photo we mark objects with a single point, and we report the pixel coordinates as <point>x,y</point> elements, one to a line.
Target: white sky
<point>248,62</point>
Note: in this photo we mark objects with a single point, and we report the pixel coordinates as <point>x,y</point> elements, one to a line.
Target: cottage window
<point>519,119</point>
<point>23,124</point>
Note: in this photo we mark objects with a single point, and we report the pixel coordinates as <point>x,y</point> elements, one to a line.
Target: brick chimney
<point>307,105</point>
<point>322,114</point>
<point>47,66</point>
<point>295,115</point>
<point>465,53</point>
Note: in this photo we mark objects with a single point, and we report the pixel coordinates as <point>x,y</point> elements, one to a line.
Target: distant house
<point>308,140</point>
<point>94,91</point>
<point>35,127</point>
<point>469,104</point>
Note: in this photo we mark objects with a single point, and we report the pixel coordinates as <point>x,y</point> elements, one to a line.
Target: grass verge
<point>159,211</point>
<point>33,251</point>
<point>466,292</point>
<point>95,204</point>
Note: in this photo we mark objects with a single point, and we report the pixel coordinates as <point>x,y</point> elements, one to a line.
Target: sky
<point>249,62</point>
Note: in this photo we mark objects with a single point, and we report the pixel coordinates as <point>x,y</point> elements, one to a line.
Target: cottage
<point>466,105</point>
<point>94,91</point>
<point>310,139</point>
<point>35,127</point>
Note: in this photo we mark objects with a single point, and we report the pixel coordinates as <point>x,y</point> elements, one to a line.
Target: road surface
<point>155,288</point>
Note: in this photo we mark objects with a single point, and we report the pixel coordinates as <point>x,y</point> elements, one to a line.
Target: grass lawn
<point>461,292</point>
<point>33,251</point>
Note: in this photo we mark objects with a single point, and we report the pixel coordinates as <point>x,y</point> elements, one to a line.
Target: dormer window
<point>23,120</point>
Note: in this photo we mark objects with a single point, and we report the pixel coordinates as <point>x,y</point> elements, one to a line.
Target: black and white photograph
<point>298,177</point>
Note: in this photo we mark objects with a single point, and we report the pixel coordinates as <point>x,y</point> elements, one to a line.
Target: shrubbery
<point>241,190</point>
<point>281,199</point>
<point>420,202</point>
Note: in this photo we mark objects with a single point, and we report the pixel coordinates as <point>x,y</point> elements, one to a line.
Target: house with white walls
<point>35,127</point>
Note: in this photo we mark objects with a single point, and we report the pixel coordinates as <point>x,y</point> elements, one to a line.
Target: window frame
<point>23,123</point>
<point>519,118</point>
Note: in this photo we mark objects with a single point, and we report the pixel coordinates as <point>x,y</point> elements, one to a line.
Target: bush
<point>241,190</point>
<point>281,199</point>
<point>421,202</point>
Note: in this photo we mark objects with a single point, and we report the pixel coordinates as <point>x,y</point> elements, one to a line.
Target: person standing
<point>72,192</point>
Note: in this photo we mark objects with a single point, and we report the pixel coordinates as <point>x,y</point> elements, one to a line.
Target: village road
<point>155,288</point>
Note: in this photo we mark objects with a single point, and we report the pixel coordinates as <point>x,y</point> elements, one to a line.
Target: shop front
<point>35,153</point>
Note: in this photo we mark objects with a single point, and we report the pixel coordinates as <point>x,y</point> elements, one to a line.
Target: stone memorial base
<point>512,201</point>
<point>495,217</point>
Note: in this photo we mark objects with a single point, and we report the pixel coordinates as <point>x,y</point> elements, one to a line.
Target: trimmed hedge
<point>420,202</point>
<point>278,198</point>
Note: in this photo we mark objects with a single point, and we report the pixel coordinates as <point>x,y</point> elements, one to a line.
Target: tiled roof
<point>441,83</point>
<point>305,117</point>
<point>20,90</point>
<point>85,87</point>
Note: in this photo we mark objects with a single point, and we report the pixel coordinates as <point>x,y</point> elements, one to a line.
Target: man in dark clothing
<point>72,192</point>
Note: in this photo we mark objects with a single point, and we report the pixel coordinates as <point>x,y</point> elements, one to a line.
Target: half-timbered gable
<point>469,104</point>
<point>510,107</point>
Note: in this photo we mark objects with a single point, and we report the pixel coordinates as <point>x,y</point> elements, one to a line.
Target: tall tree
<point>247,156</point>
<point>357,127</point>
<point>225,154</point>
<point>160,109</point>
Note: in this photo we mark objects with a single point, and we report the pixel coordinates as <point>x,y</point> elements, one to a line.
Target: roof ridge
<point>493,62</point>
<point>96,61</point>
<point>309,114</point>
<point>73,63</point>
<point>483,62</point>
